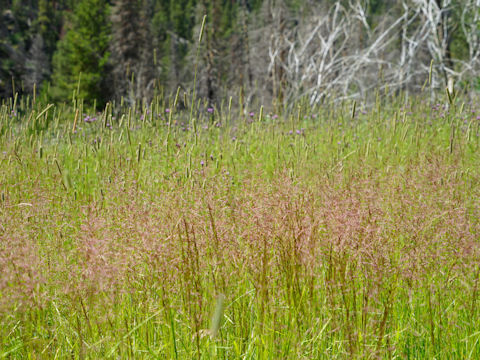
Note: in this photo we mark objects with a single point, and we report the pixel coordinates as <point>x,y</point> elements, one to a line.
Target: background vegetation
<point>258,51</point>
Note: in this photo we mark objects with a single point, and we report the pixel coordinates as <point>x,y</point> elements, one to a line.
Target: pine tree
<point>218,35</point>
<point>37,65</point>
<point>47,26</point>
<point>133,66</point>
<point>45,31</point>
<point>172,26</point>
<point>14,44</point>
<point>82,55</point>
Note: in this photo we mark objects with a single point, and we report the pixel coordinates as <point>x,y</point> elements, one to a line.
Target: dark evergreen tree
<point>132,53</point>
<point>172,29</point>
<point>45,30</point>
<point>48,25</point>
<point>15,40</point>
<point>82,55</point>
<point>221,29</point>
<point>37,65</point>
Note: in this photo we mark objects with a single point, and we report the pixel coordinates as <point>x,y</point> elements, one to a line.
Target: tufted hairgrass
<point>333,231</point>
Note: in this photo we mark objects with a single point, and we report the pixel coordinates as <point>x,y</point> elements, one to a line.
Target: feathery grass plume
<point>364,249</point>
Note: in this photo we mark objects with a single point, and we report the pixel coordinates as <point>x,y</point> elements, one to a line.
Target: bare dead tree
<point>336,53</point>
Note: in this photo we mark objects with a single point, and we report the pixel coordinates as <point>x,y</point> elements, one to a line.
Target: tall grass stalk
<point>329,232</point>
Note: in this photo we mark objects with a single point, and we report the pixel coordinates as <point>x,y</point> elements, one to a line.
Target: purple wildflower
<point>210,110</point>
<point>167,110</point>
<point>252,114</point>
<point>89,119</point>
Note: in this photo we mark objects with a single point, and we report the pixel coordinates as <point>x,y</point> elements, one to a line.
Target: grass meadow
<point>323,232</point>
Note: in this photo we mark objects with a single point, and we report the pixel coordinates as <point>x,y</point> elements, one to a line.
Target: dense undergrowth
<point>324,232</point>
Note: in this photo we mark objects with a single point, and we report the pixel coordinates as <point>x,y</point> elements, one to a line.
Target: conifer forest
<point>258,51</point>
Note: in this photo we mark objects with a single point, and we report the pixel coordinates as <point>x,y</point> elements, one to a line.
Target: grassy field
<point>337,231</point>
